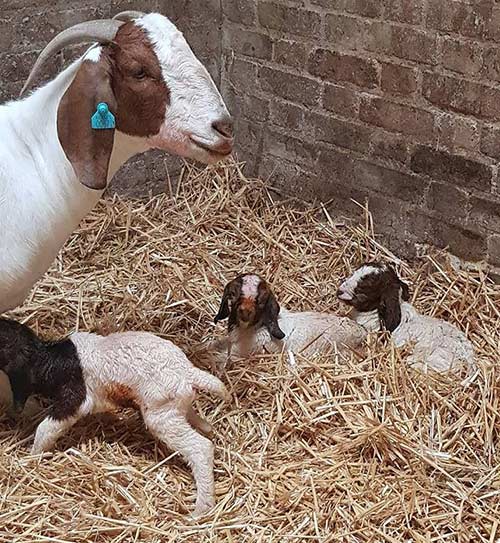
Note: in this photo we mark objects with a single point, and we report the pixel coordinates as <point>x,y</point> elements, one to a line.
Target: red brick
<point>484,214</point>
<point>460,241</point>
<point>341,101</point>
<point>290,53</point>
<point>463,18</point>
<point>240,11</point>
<point>247,106</point>
<point>453,169</point>
<point>388,146</point>
<point>494,250</point>
<point>334,66</point>
<point>410,188</point>
<point>371,177</point>
<point>456,133</point>
<point>289,178</point>
<point>490,104</point>
<point>398,79</point>
<point>452,93</point>
<point>367,8</point>
<point>287,115</point>
<point>10,90</point>
<point>404,11</point>
<point>493,25</point>
<point>491,64</point>
<point>381,37</point>
<point>244,42</point>
<point>17,66</point>
<point>445,200</point>
<point>416,45</point>
<point>490,141</point>
<point>398,118</point>
<point>290,148</point>
<point>341,133</point>
<point>288,86</point>
<point>242,73</point>
<point>248,136</point>
<point>289,19</point>
<point>465,57</point>
<point>348,32</point>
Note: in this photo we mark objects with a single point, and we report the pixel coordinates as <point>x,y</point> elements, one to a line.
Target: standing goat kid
<point>55,163</point>
<point>257,325</point>
<point>380,301</point>
<point>87,373</point>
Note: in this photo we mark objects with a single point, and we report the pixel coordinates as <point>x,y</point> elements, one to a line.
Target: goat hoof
<point>201,510</point>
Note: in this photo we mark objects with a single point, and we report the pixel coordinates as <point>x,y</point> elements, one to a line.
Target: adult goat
<point>55,163</point>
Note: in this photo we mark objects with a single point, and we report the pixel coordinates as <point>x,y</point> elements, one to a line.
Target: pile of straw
<point>361,449</point>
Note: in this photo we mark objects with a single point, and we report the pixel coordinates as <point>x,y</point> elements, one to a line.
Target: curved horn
<point>101,31</point>
<point>128,15</point>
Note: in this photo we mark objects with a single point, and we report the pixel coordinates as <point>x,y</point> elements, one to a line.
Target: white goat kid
<point>87,373</point>
<point>257,325</point>
<point>380,301</point>
<point>54,165</point>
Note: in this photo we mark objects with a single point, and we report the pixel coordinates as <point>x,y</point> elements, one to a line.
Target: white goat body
<point>306,333</point>
<point>41,200</point>
<point>437,344</point>
<point>87,373</point>
<point>156,376</point>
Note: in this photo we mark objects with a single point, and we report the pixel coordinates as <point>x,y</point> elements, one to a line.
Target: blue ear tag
<point>102,119</point>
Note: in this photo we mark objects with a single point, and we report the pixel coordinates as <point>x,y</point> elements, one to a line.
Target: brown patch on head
<point>244,309</point>
<point>121,395</point>
<point>129,79</point>
<point>141,93</point>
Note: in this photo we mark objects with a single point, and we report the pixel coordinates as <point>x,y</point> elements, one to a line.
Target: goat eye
<point>140,74</point>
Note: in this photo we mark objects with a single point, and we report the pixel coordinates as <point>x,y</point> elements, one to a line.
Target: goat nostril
<point>224,126</point>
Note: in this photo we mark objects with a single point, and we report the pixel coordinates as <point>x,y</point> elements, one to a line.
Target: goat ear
<point>88,149</point>
<point>271,312</point>
<point>405,291</point>
<point>390,308</point>
<point>223,312</point>
<point>231,293</point>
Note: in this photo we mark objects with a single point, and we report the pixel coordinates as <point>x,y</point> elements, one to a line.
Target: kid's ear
<point>271,312</point>
<point>232,292</point>
<point>390,308</point>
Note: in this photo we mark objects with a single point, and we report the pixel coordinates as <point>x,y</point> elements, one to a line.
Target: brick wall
<point>26,26</point>
<point>394,101</point>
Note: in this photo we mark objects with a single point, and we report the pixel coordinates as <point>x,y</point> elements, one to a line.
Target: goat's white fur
<point>41,200</point>
<point>194,107</point>
<point>250,286</point>
<point>306,333</point>
<point>163,382</point>
<point>437,344</point>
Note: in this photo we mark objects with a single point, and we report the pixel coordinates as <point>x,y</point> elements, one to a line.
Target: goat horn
<point>128,15</point>
<point>100,31</point>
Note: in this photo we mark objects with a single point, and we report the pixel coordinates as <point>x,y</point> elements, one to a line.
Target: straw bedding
<point>328,449</point>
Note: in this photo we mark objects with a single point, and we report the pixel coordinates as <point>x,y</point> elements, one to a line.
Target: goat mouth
<point>214,151</point>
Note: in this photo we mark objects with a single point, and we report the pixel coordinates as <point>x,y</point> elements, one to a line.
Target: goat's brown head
<point>248,301</point>
<point>376,286</point>
<point>159,92</point>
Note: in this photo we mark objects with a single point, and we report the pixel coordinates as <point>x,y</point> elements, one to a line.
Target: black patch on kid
<point>380,291</point>
<point>49,369</point>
